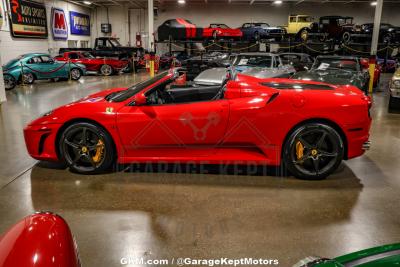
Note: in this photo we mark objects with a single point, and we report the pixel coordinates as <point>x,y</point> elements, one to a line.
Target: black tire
<point>346,37</point>
<point>106,70</point>
<point>9,82</point>
<point>313,151</point>
<point>394,103</point>
<point>75,74</point>
<point>28,78</point>
<point>86,148</point>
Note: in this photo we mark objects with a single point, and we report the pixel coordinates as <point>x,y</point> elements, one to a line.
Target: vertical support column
<point>150,10</point>
<point>2,88</point>
<point>374,45</point>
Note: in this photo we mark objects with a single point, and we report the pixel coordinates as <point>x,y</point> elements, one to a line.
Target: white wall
<point>12,47</point>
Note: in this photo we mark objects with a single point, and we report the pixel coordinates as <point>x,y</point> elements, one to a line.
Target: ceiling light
<point>181,2</point>
<point>277,2</point>
<point>374,3</point>
<point>87,3</point>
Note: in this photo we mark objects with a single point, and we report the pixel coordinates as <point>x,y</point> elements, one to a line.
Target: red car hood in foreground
<point>39,240</point>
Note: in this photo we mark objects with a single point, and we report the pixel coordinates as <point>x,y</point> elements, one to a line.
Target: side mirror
<point>140,99</point>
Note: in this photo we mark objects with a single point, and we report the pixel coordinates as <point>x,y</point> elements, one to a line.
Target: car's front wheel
<point>313,151</point>
<point>9,82</point>
<point>76,74</point>
<point>86,148</point>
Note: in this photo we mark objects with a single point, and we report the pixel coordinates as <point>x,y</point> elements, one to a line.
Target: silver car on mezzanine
<point>256,64</point>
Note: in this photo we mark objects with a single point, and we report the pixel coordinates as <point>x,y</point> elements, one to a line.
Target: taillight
<point>368,99</point>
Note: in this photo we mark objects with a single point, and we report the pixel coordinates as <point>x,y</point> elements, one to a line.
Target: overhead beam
<point>299,2</point>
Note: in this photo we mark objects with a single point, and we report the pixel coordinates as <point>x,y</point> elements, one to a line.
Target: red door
<point>173,130</point>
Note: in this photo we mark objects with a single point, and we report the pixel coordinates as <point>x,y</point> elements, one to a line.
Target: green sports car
<point>340,70</point>
<point>38,66</point>
<point>383,256</point>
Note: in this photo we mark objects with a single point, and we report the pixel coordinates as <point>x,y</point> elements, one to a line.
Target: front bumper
<point>394,92</point>
<point>40,141</point>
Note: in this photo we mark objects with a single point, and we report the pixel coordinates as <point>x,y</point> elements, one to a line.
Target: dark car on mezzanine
<point>261,30</point>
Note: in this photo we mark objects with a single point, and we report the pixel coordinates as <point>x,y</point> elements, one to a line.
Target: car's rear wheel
<point>76,74</point>
<point>106,70</point>
<point>9,82</point>
<point>86,148</point>
<point>303,35</point>
<point>28,78</point>
<point>313,151</point>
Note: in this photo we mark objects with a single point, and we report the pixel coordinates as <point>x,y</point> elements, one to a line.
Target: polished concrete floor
<point>205,215</point>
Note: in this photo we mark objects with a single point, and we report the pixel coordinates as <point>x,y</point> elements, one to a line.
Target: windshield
<point>262,25</point>
<point>253,61</point>
<point>115,42</point>
<point>87,55</point>
<point>133,90</point>
<point>336,63</point>
<point>222,26</point>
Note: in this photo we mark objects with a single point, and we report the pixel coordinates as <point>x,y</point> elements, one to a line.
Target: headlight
<point>396,84</point>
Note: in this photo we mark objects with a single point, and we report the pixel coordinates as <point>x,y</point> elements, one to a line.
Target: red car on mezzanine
<point>309,126</point>
<point>104,66</point>
<point>221,31</point>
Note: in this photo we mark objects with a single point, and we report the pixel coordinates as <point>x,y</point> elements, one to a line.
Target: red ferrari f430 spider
<point>309,127</point>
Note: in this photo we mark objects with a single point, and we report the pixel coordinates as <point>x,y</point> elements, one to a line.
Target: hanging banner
<point>79,23</point>
<point>28,19</point>
<point>59,24</point>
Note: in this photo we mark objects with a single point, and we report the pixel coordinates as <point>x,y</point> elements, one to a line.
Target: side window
<point>34,60</point>
<point>275,62</point>
<point>100,43</point>
<point>292,19</point>
<point>46,59</point>
<point>73,56</point>
<point>108,44</point>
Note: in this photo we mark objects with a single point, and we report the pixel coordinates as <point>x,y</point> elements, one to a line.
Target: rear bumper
<point>40,141</point>
<point>358,139</point>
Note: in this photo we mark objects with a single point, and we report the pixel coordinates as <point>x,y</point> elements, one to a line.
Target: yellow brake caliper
<point>299,150</point>
<point>99,152</point>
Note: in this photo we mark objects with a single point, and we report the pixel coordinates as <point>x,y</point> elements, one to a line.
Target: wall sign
<point>28,19</point>
<point>59,24</point>
<point>79,23</point>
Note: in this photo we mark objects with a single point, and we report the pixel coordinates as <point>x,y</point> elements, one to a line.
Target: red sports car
<point>377,72</point>
<point>308,126</point>
<point>221,31</point>
<point>106,66</point>
<point>42,239</point>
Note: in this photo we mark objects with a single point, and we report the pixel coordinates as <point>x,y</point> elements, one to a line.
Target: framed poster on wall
<point>28,19</point>
<point>59,24</point>
<point>79,23</point>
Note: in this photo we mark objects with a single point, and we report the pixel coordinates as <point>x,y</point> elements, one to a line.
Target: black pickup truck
<point>111,47</point>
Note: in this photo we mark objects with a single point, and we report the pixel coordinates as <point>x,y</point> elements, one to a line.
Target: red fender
<point>39,240</point>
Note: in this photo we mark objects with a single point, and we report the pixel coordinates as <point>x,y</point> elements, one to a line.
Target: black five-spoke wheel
<point>313,151</point>
<point>86,148</point>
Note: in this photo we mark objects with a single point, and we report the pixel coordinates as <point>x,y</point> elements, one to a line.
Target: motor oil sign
<point>79,23</point>
<point>28,19</point>
<point>59,24</point>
